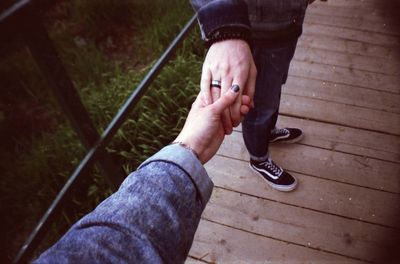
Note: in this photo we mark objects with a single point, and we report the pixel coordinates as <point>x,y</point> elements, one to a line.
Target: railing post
<point>88,161</point>
<point>50,64</point>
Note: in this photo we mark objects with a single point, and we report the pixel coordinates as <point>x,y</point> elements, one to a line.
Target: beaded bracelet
<point>186,146</point>
<point>228,33</point>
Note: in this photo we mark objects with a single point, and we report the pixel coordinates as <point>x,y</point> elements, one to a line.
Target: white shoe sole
<point>287,188</point>
<point>289,141</point>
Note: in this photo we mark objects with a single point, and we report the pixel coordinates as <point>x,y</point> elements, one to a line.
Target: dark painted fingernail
<point>235,88</point>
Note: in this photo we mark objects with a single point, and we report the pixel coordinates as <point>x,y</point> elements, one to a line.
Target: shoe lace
<point>272,167</point>
<point>280,131</point>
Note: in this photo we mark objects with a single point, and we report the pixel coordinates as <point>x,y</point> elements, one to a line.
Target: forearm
<point>151,219</point>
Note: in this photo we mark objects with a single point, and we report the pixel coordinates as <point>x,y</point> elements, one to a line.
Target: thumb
<point>197,102</point>
<point>226,99</point>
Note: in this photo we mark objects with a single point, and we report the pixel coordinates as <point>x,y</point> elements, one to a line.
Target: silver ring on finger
<point>216,84</point>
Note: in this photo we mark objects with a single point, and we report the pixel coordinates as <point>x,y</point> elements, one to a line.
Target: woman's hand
<point>203,130</point>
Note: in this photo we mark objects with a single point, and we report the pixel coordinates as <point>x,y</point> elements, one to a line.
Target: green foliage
<point>98,13</point>
<point>158,35</point>
<point>37,163</point>
<point>161,113</point>
<point>33,178</point>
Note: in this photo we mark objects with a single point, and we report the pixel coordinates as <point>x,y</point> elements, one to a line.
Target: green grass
<point>40,156</point>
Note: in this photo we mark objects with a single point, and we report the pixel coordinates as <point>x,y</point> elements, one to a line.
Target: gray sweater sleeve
<point>152,218</point>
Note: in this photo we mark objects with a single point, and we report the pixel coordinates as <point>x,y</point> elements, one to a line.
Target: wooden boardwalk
<point>344,92</point>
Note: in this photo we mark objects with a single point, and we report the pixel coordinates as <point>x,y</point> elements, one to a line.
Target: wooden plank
<point>322,195</point>
<point>344,139</point>
<point>358,62</point>
<point>300,226</point>
<point>362,4</point>
<point>220,244</point>
<point>353,34</point>
<point>345,75</point>
<point>323,163</point>
<point>349,46</point>
<point>369,14</point>
<point>383,26</point>
<point>342,93</point>
<point>342,114</point>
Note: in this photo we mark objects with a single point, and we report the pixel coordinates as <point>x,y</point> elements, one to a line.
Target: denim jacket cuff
<point>187,162</point>
<point>219,14</point>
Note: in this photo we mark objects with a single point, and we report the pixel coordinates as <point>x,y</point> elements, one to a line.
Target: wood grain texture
<point>318,194</point>
<point>364,11</point>
<point>361,5</point>
<point>343,139</point>
<point>343,94</point>
<point>353,34</point>
<point>322,16</point>
<point>301,226</point>
<point>347,115</point>
<point>349,46</point>
<point>327,164</point>
<point>345,75</point>
<point>358,62</point>
<point>220,244</point>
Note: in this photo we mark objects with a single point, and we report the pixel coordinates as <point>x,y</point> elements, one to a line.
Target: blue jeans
<point>272,67</point>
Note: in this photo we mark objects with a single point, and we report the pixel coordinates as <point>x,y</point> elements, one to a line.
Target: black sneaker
<point>286,135</point>
<point>275,176</point>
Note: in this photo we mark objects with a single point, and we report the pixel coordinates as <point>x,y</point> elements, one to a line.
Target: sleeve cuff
<point>188,162</point>
<point>225,13</point>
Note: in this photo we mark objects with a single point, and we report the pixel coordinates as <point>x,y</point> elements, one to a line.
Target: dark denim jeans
<point>272,67</point>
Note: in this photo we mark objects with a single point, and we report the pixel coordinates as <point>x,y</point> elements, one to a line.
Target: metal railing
<point>46,57</point>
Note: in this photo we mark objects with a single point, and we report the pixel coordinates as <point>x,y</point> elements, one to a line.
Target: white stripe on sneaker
<point>266,172</point>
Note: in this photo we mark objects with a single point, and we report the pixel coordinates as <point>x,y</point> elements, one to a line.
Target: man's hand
<point>203,130</point>
<point>231,62</point>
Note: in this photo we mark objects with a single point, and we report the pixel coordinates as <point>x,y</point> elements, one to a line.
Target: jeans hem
<point>263,158</point>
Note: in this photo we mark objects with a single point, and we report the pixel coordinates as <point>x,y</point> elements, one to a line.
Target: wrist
<point>191,146</point>
<point>227,33</point>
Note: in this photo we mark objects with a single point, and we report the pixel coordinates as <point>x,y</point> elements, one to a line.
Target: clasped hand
<point>231,63</point>
<point>203,130</point>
